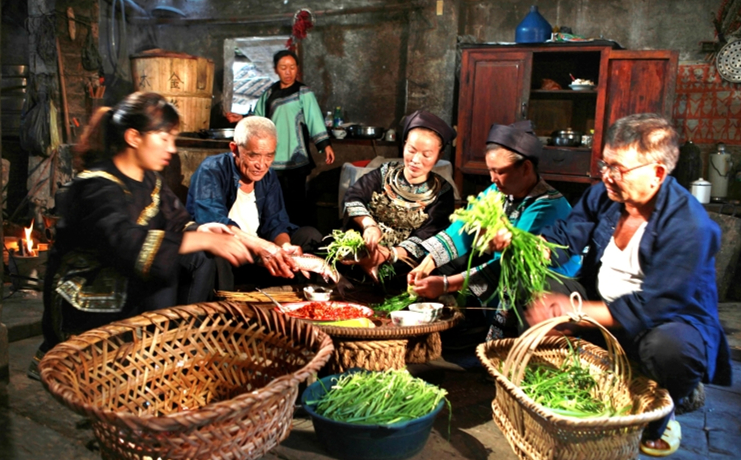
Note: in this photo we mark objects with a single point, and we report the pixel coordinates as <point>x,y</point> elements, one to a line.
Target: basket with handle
<point>535,432</point>
<point>210,380</point>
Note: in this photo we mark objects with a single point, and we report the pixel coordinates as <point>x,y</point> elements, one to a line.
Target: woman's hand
<point>501,240</point>
<point>430,287</point>
<point>329,152</point>
<point>421,271</point>
<point>372,236</point>
<point>370,263</point>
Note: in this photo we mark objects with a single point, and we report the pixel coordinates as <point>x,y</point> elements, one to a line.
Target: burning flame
<point>28,249</point>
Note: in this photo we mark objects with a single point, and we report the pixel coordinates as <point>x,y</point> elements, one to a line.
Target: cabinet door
<point>494,88</point>
<point>639,82</point>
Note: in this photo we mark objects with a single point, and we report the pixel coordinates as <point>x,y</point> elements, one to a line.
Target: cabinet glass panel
<point>553,104</point>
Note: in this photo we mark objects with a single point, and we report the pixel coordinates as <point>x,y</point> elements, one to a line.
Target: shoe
<point>33,367</point>
<point>672,436</point>
<point>691,402</point>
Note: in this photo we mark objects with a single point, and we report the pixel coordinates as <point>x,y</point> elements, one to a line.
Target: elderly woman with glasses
<point>649,269</point>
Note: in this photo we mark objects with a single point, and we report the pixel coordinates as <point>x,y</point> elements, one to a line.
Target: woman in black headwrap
<point>511,158</point>
<point>401,204</point>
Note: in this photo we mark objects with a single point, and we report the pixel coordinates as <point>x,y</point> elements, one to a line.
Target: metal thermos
<point>719,170</point>
<point>701,190</point>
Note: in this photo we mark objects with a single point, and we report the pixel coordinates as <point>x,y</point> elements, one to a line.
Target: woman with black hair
<point>531,204</point>
<point>125,243</point>
<point>292,106</point>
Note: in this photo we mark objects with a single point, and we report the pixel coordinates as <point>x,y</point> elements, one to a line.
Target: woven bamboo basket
<point>537,433</point>
<point>211,380</point>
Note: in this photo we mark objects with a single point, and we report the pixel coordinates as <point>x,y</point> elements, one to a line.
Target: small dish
<point>339,133</point>
<point>581,87</point>
<point>431,310</point>
<point>317,293</point>
<point>408,318</point>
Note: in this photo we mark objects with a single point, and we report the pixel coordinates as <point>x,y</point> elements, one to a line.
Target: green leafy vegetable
<point>569,389</point>
<point>524,265</point>
<point>379,398</point>
<point>345,245</point>
<point>396,303</point>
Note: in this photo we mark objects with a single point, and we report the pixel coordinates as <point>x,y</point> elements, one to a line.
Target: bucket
<point>186,81</point>
<point>349,441</point>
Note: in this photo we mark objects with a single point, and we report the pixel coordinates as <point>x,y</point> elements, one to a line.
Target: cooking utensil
<point>566,138</point>
<point>278,304</point>
<point>364,132</point>
<point>728,62</point>
<point>226,133</point>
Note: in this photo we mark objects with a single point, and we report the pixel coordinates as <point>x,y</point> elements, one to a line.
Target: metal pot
<point>566,138</point>
<point>226,133</point>
<point>364,132</point>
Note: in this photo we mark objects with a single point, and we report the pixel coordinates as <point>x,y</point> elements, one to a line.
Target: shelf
<point>564,92</point>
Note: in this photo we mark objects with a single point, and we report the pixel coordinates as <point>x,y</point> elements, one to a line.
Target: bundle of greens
<point>569,390</point>
<point>524,264</point>
<point>396,303</point>
<point>379,398</point>
<point>344,245</point>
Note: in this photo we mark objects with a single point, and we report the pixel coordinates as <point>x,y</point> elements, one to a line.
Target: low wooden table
<point>385,346</point>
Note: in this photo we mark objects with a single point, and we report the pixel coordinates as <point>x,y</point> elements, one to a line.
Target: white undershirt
<point>621,272</point>
<point>244,212</point>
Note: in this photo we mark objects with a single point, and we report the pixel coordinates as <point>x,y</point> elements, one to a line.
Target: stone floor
<point>35,426</point>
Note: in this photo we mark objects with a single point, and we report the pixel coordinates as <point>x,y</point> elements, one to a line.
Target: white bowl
<point>581,87</point>
<point>431,310</point>
<point>409,318</point>
<point>339,133</point>
<point>317,294</point>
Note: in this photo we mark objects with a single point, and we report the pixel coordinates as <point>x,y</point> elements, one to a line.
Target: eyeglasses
<point>616,172</point>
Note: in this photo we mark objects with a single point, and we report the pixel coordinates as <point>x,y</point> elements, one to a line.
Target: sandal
<point>672,436</point>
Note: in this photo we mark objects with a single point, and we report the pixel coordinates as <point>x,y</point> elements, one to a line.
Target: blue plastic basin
<point>367,442</point>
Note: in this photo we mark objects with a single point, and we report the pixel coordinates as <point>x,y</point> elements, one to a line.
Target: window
<point>248,70</point>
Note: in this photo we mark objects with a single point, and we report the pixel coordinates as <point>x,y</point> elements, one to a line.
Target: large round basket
<point>535,432</point>
<point>211,380</point>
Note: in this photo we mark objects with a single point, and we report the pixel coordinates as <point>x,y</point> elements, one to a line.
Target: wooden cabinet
<point>503,84</point>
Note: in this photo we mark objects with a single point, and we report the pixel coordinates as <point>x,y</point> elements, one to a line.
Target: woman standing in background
<point>293,108</point>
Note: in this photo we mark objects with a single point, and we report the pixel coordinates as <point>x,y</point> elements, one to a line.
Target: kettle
<point>701,190</point>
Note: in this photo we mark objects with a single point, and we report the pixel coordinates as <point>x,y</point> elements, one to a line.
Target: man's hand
<point>547,306</point>
<point>215,227</point>
<point>276,260</point>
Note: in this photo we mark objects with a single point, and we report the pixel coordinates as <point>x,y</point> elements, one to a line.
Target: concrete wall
<point>380,65</point>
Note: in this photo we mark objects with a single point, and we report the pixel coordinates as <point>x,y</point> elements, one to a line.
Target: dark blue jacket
<point>677,256</point>
<point>213,190</point>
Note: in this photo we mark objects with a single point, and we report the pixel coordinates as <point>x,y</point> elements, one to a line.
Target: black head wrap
<point>424,119</point>
<point>518,137</point>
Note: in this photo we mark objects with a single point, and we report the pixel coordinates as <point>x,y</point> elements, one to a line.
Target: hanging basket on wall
<point>303,21</point>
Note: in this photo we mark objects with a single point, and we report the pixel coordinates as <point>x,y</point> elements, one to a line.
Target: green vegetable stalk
<point>379,398</point>
<point>569,390</point>
<point>396,303</point>
<point>345,245</point>
<point>524,265</point>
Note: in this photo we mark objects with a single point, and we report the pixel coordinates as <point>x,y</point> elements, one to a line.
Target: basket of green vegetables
<point>560,398</point>
<point>363,415</point>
